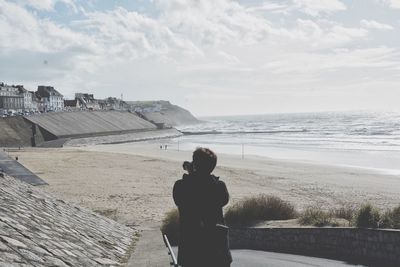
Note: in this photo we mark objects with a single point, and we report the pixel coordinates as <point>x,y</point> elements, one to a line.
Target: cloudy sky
<point>213,57</point>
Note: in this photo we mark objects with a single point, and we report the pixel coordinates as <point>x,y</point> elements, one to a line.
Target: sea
<point>362,139</point>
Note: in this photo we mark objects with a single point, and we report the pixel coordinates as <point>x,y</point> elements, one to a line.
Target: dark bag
<point>221,243</point>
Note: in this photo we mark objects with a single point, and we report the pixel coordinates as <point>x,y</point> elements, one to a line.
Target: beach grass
<point>315,216</point>
<point>259,208</point>
<point>253,210</point>
<point>170,226</point>
<point>346,212</point>
<point>367,217</point>
<point>391,218</point>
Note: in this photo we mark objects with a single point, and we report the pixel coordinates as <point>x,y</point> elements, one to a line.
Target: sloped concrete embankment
<point>37,229</point>
<point>16,131</point>
<point>88,123</point>
<point>366,246</point>
<point>54,129</point>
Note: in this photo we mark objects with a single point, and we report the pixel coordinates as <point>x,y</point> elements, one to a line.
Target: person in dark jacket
<point>200,196</point>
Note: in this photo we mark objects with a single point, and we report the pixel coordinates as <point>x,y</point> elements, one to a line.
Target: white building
<point>11,98</point>
<point>8,90</point>
<point>28,101</point>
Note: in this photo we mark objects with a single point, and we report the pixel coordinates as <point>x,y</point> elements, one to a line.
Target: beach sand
<point>132,182</point>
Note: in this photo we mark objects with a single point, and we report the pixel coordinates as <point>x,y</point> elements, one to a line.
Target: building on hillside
<point>8,90</point>
<point>113,103</point>
<point>11,100</point>
<point>146,106</point>
<point>12,104</point>
<point>51,98</point>
<point>87,101</point>
<point>37,103</point>
<point>28,99</point>
<point>72,105</point>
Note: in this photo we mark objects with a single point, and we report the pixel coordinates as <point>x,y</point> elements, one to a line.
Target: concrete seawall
<point>55,128</point>
<point>16,131</point>
<point>92,123</point>
<point>367,246</point>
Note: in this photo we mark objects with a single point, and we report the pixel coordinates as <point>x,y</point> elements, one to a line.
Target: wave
<point>369,131</point>
<point>239,132</point>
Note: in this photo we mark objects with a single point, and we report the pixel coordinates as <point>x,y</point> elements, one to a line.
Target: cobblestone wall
<point>37,229</point>
<point>353,244</point>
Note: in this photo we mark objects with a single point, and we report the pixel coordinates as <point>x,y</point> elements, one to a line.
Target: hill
<point>163,112</point>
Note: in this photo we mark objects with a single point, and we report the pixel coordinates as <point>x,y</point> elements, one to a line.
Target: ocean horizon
<point>362,139</point>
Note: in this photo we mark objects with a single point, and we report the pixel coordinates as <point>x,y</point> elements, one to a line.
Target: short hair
<point>205,159</point>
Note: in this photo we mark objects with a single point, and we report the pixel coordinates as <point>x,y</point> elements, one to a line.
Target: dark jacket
<point>200,200</point>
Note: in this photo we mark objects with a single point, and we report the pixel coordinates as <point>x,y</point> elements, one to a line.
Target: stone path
<point>15,169</point>
<point>37,229</point>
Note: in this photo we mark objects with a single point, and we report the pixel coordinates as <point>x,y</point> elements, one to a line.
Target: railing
<point>170,251</point>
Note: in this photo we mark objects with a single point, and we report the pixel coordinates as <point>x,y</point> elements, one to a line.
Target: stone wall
<point>369,246</point>
<point>37,229</point>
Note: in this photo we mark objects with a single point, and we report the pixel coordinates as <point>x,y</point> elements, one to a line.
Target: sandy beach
<point>132,182</point>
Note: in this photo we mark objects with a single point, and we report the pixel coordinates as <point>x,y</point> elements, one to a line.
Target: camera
<point>187,166</point>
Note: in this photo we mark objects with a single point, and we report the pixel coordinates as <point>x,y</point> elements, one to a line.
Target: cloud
<point>392,3</point>
<point>178,48</point>
<point>372,24</point>
<point>28,41</point>
<point>228,57</point>
<point>23,30</point>
<point>337,60</point>
<point>318,7</point>
<point>47,5</point>
<point>129,34</point>
<point>312,35</point>
<point>269,7</point>
<point>216,23</point>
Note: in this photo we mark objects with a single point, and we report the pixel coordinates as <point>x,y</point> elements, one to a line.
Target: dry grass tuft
<point>170,226</point>
<point>260,208</point>
<point>367,217</point>
<point>315,216</point>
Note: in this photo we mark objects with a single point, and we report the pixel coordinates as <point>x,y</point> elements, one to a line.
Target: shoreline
<point>132,183</point>
<point>377,161</point>
<point>150,148</point>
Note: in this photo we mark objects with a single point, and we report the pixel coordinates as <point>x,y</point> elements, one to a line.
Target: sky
<point>219,57</point>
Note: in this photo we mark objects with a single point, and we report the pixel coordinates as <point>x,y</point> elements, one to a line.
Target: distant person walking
<point>200,196</point>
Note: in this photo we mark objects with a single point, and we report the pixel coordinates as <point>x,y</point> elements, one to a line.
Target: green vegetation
<point>253,210</point>
<point>391,218</point>
<point>260,208</point>
<point>367,217</point>
<point>170,226</point>
<point>315,216</point>
<point>345,212</point>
